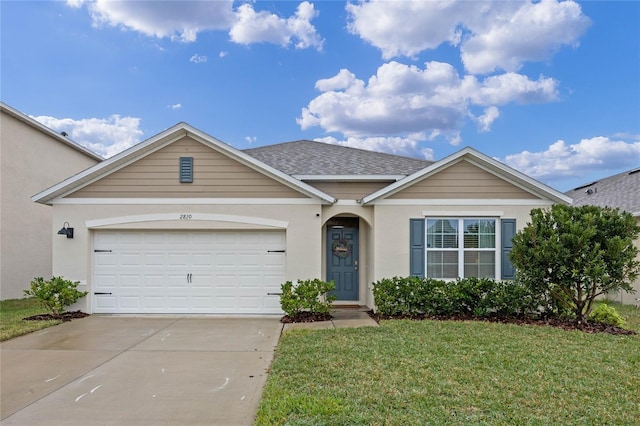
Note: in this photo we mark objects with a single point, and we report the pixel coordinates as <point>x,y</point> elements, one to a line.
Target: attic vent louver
<point>186,169</point>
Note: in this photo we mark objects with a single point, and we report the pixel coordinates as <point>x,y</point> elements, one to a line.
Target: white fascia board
<point>350,178</point>
<point>503,170</point>
<point>514,176</point>
<point>50,132</point>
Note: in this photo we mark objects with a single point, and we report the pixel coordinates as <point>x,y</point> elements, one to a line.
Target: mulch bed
<point>552,322</point>
<point>66,316</point>
<point>306,317</point>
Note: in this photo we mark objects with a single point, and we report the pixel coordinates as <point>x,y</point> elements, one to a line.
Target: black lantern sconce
<point>66,230</point>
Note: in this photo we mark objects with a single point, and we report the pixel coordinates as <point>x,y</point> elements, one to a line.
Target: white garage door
<point>187,271</point>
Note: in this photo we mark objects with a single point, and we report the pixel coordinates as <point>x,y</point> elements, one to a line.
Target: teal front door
<point>342,261</point>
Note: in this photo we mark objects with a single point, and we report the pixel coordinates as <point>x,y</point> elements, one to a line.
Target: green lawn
<point>12,313</point>
<point>443,372</point>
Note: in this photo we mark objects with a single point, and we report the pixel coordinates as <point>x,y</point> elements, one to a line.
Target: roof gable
<point>160,141</point>
<point>526,187</point>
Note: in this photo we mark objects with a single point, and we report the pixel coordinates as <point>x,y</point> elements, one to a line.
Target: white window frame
<point>461,249</point>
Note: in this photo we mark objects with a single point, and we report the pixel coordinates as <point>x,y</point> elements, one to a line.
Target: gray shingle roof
<point>318,158</point>
<point>621,191</point>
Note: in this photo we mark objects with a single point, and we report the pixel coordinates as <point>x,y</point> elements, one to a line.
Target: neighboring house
<point>620,191</point>
<point>32,157</point>
<point>184,223</point>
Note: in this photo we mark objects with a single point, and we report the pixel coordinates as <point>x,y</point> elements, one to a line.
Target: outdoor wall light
<point>66,230</point>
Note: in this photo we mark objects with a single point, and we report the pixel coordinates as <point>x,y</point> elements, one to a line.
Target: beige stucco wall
<point>623,296</point>
<point>392,246</point>
<point>72,257</point>
<point>30,161</point>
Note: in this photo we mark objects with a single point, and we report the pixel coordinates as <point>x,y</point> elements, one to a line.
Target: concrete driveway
<point>113,370</point>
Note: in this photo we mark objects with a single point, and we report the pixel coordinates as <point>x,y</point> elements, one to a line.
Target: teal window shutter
<point>416,247</point>
<point>508,232</point>
<point>186,169</point>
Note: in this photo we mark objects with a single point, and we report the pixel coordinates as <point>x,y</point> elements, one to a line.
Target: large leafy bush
<point>572,255</point>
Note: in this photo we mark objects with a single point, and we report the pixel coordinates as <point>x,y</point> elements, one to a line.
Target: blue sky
<point>551,88</point>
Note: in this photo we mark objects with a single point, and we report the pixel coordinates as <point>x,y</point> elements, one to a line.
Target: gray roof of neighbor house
<point>312,158</point>
<point>621,191</point>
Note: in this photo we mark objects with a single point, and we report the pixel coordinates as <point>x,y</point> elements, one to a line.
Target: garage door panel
<point>106,259</point>
<point>188,271</point>
<point>154,259</point>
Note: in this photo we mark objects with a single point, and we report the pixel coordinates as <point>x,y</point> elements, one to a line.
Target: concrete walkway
<point>342,318</point>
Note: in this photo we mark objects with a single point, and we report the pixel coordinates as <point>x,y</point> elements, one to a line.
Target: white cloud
<point>401,99</point>
<point>485,120</point>
<point>198,59</point>
<point>183,20</point>
<point>75,3</point>
<point>565,160</point>
<point>250,139</point>
<point>264,27</point>
<point>491,34</point>
<point>175,106</point>
<point>105,136</point>
<point>533,33</point>
<point>177,20</point>
<point>223,53</point>
<point>408,147</point>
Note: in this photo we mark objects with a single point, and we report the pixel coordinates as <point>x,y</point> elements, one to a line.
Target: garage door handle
<point>275,251</point>
<point>97,292</point>
<point>274,294</point>
<point>102,251</point>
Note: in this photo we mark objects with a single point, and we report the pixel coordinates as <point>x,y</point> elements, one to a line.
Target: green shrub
<point>398,296</point>
<point>307,295</point>
<point>576,254</point>
<point>55,294</point>
<point>605,314</point>
<point>479,297</point>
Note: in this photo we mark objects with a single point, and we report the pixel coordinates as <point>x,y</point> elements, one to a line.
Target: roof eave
<point>48,131</point>
<point>350,178</point>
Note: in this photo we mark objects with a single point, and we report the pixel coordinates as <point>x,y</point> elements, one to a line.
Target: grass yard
<point>11,313</point>
<point>432,372</point>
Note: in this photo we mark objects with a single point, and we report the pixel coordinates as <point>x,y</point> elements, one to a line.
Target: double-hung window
<point>457,247</point>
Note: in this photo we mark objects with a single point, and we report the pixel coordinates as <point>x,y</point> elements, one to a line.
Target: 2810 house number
<point>186,216</point>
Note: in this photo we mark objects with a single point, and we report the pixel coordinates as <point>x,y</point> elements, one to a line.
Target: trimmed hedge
<point>479,297</point>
